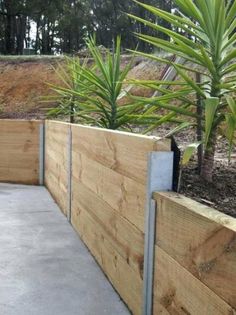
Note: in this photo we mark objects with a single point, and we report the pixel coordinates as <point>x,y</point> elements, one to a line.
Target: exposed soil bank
<point>24,80</point>
<point>22,84</point>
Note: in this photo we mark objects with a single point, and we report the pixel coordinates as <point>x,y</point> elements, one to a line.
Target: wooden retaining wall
<point>19,151</point>
<point>109,174</point>
<point>195,246</point>
<point>195,258</point>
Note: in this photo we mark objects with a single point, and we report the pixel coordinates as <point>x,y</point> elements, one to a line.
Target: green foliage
<point>69,95</point>
<point>62,25</point>
<point>231,124</point>
<point>188,152</point>
<point>94,91</point>
<point>211,105</point>
<point>206,41</point>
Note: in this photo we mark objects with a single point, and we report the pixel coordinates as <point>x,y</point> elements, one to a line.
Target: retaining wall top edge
<point>198,208</point>
<point>22,120</point>
<point>156,140</point>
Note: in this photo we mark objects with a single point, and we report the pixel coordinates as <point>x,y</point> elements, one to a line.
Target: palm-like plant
<point>68,102</point>
<point>203,34</point>
<point>95,91</point>
<point>105,89</point>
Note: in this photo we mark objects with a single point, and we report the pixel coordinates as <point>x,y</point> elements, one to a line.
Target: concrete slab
<point>45,269</point>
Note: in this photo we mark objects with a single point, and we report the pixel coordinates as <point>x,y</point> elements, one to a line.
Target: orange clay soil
<point>23,82</point>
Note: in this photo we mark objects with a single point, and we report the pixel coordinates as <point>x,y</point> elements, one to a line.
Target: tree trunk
<point>51,37</point>
<point>20,34</point>
<point>9,35</point>
<point>37,39</point>
<point>208,160</point>
<point>44,37</point>
<point>199,126</point>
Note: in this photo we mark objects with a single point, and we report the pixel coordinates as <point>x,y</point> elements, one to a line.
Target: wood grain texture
<point>108,206</point>
<point>123,152</point>
<point>19,151</point>
<point>121,193</point>
<point>200,239</point>
<point>177,291</point>
<point>104,248</point>
<point>56,162</point>
<point>109,176</point>
<point>125,238</point>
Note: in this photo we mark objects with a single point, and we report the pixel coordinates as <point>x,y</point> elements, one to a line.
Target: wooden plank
<point>57,141</point>
<point>200,239</point>
<point>177,291</point>
<point>55,125</point>
<point>123,194</point>
<point>19,143</point>
<point>57,191</point>
<point>126,281</point>
<point>56,162</point>
<point>123,152</point>
<point>125,238</point>
<point>58,156</point>
<point>58,172</point>
<point>19,125</point>
<point>11,159</point>
<point>57,186</point>
<point>27,176</point>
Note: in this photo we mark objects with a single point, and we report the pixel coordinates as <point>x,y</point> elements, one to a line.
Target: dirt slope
<point>23,82</point>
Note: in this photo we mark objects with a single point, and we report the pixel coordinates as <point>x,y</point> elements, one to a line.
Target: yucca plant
<point>95,91</point>
<point>70,75</point>
<point>105,88</point>
<point>203,35</point>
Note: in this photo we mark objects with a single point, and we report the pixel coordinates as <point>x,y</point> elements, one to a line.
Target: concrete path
<point>44,267</point>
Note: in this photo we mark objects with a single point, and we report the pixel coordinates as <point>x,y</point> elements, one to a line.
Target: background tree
<point>62,25</point>
<point>13,24</point>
